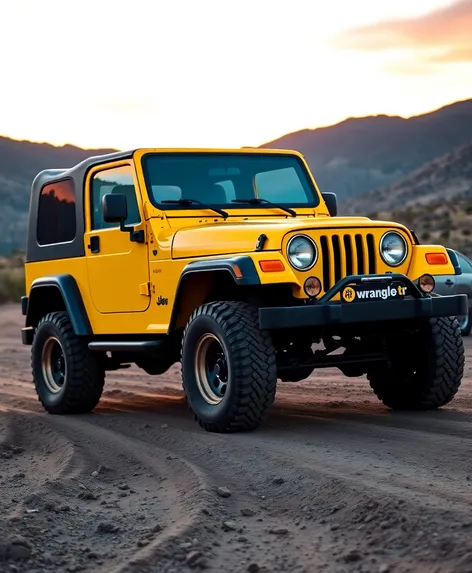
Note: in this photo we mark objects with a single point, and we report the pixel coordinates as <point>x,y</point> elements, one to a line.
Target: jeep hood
<point>241,236</point>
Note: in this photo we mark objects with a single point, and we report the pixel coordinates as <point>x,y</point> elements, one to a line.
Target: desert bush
<point>12,284</point>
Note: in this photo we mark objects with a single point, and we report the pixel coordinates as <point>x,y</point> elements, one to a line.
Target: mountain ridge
<point>358,155</point>
<point>353,157</point>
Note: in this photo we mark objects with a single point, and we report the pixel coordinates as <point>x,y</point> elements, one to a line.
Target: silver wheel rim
<point>211,369</point>
<point>53,365</point>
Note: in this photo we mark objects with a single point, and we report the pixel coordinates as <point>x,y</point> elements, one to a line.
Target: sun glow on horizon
<point>208,74</point>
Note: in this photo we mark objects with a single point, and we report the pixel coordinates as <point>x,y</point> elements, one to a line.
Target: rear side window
<point>56,213</point>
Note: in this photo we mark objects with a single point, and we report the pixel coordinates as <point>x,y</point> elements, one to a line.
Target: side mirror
<point>114,208</point>
<point>331,202</point>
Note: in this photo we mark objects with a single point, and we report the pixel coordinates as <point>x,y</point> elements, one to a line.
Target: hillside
<point>361,154</point>
<point>20,161</point>
<point>435,200</point>
<point>448,224</point>
<point>438,181</point>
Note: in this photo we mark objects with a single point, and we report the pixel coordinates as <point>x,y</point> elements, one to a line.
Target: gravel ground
<point>332,482</point>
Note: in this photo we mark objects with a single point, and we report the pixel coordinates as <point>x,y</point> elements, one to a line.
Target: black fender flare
<point>241,268</point>
<point>70,293</point>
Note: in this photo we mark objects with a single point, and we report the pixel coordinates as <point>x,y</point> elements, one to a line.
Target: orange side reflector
<point>436,259</point>
<point>271,266</point>
<point>237,271</point>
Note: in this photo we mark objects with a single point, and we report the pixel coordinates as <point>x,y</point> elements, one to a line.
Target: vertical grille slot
<point>360,255</point>
<point>371,252</point>
<point>349,257</point>
<point>326,262</point>
<point>337,258</point>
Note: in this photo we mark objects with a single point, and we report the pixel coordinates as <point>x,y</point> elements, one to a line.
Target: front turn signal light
<point>436,259</point>
<point>272,266</point>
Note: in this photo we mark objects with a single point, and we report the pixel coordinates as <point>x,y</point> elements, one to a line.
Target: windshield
<point>224,179</point>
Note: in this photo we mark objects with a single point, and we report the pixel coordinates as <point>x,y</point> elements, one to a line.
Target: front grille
<point>344,255</point>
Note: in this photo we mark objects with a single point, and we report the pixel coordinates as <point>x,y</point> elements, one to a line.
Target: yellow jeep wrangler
<point>233,263</point>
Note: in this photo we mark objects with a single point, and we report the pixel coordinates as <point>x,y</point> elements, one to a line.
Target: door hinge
<point>145,289</point>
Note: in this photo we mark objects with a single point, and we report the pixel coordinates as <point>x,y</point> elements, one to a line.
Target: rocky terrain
<point>332,482</point>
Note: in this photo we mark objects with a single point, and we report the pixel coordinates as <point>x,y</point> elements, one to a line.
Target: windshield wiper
<point>224,214</point>
<point>258,201</point>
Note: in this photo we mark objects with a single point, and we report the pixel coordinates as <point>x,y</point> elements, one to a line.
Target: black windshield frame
<point>292,160</point>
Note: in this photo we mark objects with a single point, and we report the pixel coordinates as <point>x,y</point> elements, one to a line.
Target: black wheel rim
<point>53,365</point>
<point>211,369</point>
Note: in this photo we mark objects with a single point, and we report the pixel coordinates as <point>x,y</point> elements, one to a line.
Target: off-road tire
<point>437,376</point>
<point>84,378</point>
<point>252,361</point>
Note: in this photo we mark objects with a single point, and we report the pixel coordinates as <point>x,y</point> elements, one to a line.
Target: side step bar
<point>124,346</point>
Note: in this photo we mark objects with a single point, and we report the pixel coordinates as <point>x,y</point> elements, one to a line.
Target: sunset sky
<point>214,73</point>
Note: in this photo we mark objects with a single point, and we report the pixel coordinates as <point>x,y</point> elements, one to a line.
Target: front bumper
<point>324,312</point>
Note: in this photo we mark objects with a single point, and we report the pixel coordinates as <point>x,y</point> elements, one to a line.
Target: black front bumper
<point>324,312</point>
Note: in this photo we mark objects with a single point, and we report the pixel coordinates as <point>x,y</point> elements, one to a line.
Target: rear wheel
<point>229,369</point>
<point>428,373</point>
<point>67,377</point>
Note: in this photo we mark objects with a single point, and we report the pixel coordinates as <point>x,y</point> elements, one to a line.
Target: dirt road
<point>332,482</point>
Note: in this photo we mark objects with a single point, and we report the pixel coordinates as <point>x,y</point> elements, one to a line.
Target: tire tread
<point>85,378</point>
<point>255,364</point>
<point>445,371</point>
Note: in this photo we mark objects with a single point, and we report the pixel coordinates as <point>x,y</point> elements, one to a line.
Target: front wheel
<point>67,377</point>
<point>229,369</point>
<point>427,369</point>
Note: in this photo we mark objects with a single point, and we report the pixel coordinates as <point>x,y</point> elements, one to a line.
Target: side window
<point>56,213</point>
<point>115,180</point>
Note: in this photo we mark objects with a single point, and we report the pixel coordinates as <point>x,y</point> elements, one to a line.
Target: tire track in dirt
<point>92,497</point>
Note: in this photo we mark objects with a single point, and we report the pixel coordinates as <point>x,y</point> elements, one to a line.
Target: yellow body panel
<point>130,288</point>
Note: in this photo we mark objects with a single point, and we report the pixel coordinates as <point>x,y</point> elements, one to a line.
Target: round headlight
<point>393,249</point>
<point>302,252</point>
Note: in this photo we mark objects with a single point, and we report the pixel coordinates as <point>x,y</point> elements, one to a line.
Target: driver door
<point>118,268</point>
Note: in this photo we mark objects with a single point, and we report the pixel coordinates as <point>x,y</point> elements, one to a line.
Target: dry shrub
<point>12,284</point>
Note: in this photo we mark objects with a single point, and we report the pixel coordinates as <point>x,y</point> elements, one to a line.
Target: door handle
<point>449,282</point>
<point>94,244</point>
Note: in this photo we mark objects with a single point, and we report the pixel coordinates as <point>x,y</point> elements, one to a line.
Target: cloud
<point>439,37</point>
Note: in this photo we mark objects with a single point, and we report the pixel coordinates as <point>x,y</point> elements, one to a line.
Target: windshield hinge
<point>145,289</point>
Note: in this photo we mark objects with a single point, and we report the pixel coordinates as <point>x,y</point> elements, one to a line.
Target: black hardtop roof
<point>74,248</point>
<point>78,171</point>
